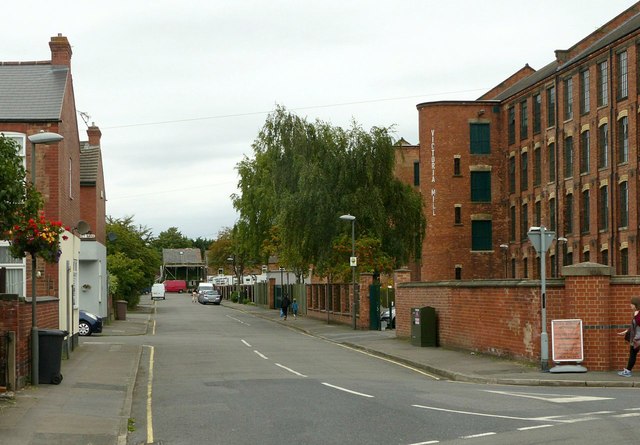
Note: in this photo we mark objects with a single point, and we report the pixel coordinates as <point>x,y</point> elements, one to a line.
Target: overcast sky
<point>180,89</point>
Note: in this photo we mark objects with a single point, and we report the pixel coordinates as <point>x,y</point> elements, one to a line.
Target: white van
<point>204,286</point>
<point>157,291</point>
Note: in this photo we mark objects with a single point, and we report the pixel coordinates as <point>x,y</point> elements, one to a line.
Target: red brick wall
<point>503,317</point>
<point>15,315</point>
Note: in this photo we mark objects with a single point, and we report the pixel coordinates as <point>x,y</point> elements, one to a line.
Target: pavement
<point>92,405</point>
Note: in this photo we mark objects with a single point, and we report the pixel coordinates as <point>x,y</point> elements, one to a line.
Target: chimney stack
<point>60,50</point>
<point>94,134</point>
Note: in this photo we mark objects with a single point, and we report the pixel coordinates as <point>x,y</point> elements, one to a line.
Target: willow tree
<point>304,175</point>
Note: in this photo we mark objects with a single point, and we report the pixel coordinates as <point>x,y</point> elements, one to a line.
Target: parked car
<point>209,296</point>
<point>89,324</point>
<point>204,287</point>
<point>384,316</point>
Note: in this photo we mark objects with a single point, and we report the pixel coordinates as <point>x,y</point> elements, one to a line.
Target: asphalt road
<point>214,375</point>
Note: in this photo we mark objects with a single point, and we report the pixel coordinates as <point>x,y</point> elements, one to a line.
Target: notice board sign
<point>566,340</point>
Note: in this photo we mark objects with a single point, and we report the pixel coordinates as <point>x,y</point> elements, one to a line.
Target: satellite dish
<point>83,227</point>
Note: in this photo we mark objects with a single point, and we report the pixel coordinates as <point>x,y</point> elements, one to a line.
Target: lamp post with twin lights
<point>353,261</point>
<point>35,139</point>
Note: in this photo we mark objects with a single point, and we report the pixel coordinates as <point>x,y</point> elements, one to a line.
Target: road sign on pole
<point>541,239</point>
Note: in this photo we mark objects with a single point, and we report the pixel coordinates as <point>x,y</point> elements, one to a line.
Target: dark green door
<point>374,307</point>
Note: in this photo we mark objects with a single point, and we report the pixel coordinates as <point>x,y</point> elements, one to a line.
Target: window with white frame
<point>16,268</point>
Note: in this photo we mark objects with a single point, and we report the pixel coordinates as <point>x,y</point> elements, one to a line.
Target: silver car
<point>209,297</point>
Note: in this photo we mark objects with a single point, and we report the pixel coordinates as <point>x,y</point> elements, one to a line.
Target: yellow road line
<point>149,398</point>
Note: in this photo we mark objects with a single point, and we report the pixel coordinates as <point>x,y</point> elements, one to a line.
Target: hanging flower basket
<point>37,236</point>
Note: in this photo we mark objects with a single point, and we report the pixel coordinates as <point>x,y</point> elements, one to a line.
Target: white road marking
<point>555,398</point>
<point>261,355</point>
<point>290,370</point>
<point>347,390</point>
<point>425,443</point>
<point>245,343</point>
<point>620,416</point>
<point>473,436</point>
<point>527,428</point>
<point>497,416</point>
<point>335,342</point>
<point>238,320</point>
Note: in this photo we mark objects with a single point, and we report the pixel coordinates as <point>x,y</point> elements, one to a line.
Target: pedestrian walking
<point>294,308</point>
<point>194,296</point>
<point>632,335</point>
<point>285,306</point>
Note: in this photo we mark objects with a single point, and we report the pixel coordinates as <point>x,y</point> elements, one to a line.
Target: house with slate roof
<point>183,264</point>
<point>93,249</point>
<point>36,97</point>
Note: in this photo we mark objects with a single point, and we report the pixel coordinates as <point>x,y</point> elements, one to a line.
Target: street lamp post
<point>236,272</point>
<point>38,138</point>
<point>353,262</point>
<point>281,283</point>
<point>182,265</point>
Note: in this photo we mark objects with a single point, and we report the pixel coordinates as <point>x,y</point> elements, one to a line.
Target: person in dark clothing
<point>285,306</point>
<point>633,337</point>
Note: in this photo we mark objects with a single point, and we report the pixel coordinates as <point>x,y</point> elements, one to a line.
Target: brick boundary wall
<point>15,316</point>
<point>502,317</point>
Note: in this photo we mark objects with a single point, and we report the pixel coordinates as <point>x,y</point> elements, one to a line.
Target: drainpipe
<point>613,186</point>
<point>557,174</point>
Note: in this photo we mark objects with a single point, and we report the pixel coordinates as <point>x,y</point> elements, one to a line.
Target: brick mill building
<point>556,147</point>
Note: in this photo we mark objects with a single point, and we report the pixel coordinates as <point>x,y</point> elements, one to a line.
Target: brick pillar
<point>401,276</point>
<point>403,302</point>
<point>587,297</point>
<point>345,297</point>
<point>366,280</point>
<point>270,297</point>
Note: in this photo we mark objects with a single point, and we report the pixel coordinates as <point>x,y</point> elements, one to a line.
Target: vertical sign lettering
<point>433,172</point>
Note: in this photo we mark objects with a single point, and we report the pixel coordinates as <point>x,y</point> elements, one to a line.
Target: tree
<point>134,244</point>
<point>128,274</point>
<point>19,201</point>
<point>304,175</point>
<point>221,249</point>
<point>201,243</point>
<point>171,239</point>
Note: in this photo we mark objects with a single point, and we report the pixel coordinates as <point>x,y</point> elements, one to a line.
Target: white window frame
<point>21,139</point>
<point>19,265</point>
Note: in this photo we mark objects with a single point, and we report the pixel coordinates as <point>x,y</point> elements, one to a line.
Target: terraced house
<point>36,97</point>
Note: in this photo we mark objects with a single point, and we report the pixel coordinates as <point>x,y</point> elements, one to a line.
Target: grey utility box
<point>424,326</point>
